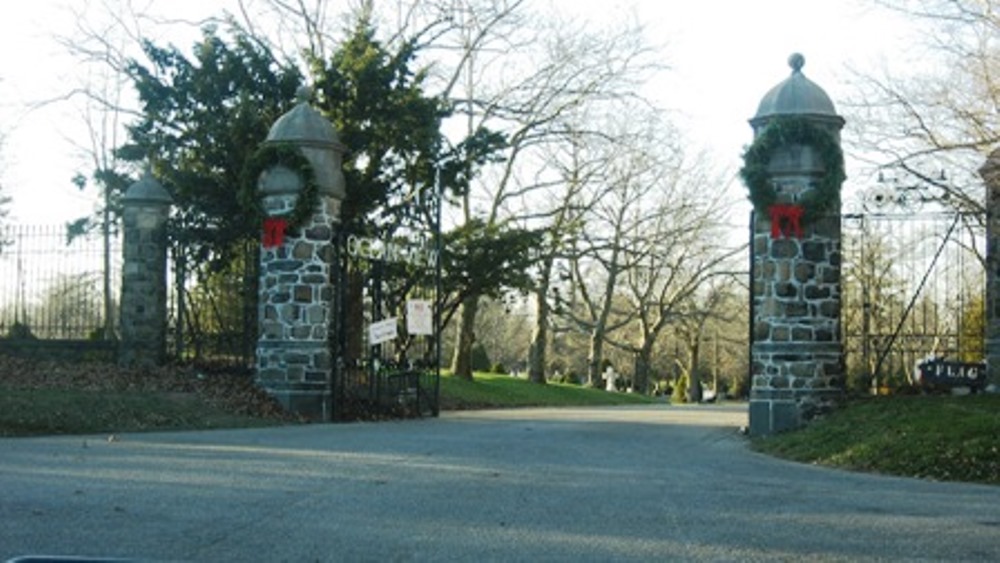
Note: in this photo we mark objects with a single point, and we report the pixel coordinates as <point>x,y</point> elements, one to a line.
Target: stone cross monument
<point>295,309</point>
<point>797,365</point>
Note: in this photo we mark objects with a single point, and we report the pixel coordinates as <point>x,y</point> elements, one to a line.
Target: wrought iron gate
<point>387,326</point>
<point>913,288</point>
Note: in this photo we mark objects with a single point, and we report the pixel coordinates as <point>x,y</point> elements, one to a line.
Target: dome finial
<point>796,61</point>
<point>303,94</point>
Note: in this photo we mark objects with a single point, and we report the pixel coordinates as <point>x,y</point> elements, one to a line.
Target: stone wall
<point>796,352</point>
<point>143,320</point>
<point>991,175</point>
<point>296,296</point>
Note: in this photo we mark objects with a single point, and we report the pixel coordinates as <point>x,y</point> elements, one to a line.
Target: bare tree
<point>102,41</point>
<point>687,266</point>
<point>579,168</point>
<point>530,90</point>
<point>4,199</point>
<point>942,115</point>
<point>613,240</point>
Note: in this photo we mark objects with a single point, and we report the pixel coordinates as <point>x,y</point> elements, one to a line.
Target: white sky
<point>723,56</point>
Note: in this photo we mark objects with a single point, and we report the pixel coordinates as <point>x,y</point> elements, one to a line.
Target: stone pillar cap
<point>304,126</point>
<point>147,190</point>
<point>796,95</point>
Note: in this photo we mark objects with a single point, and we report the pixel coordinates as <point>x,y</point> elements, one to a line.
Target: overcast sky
<point>723,56</point>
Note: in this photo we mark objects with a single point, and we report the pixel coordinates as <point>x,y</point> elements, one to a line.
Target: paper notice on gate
<point>419,318</point>
<point>382,331</point>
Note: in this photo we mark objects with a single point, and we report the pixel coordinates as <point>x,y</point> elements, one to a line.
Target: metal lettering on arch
<point>386,335</point>
<point>408,252</point>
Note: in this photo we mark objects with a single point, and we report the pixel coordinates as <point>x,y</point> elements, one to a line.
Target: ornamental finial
<point>796,61</point>
<point>303,94</point>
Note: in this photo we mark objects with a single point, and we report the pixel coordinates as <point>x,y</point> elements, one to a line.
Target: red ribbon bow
<point>274,232</point>
<point>785,217</point>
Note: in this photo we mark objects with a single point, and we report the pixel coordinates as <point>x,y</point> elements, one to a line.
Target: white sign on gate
<point>419,319</point>
<point>382,331</point>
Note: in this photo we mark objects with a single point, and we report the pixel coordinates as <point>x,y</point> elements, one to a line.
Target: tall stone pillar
<point>797,361</point>
<point>295,308</point>
<point>990,172</point>
<point>143,305</point>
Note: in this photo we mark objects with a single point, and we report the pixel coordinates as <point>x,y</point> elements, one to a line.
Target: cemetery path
<point>590,484</point>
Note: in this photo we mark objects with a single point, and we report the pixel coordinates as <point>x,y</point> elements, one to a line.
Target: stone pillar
<point>296,300</point>
<point>143,306</point>
<point>796,352</point>
<point>990,172</point>
<point>797,364</point>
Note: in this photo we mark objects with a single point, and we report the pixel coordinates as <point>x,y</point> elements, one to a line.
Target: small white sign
<point>419,317</point>
<point>382,331</point>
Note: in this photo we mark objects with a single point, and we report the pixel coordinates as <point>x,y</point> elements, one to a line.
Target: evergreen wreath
<point>784,131</point>
<point>288,155</point>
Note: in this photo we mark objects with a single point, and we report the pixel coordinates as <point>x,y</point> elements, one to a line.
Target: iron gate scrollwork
<point>386,325</point>
<point>914,286</point>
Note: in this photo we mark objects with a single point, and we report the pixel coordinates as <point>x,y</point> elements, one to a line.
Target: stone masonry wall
<point>296,296</point>
<point>796,351</point>
<point>991,176</point>
<point>143,312</point>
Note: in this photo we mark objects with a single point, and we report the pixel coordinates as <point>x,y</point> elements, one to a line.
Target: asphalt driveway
<point>657,483</point>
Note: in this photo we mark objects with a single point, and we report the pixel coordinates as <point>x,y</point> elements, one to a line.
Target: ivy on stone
<point>784,131</point>
<point>268,156</point>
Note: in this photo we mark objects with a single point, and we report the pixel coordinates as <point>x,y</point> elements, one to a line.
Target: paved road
<point>611,484</point>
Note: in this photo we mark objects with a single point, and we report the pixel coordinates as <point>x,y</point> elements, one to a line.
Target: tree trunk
<point>594,357</point>
<point>643,361</point>
<point>694,383</point>
<point>465,335</point>
<point>539,337</point>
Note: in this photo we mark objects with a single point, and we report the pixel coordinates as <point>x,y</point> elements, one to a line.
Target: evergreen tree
<point>201,120</point>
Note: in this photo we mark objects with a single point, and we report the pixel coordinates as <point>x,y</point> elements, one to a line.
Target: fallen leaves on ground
<point>230,389</point>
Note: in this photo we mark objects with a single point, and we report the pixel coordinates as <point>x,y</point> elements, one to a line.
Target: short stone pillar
<point>143,321</point>
<point>797,364</point>
<point>990,172</point>
<point>295,308</point>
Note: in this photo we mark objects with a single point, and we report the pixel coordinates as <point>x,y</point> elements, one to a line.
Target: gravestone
<point>797,366</point>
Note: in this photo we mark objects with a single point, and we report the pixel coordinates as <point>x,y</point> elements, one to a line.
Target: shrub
<point>498,368</point>
<point>738,388</point>
<point>570,378</point>
<point>20,331</point>
<point>679,394</point>
<point>480,359</point>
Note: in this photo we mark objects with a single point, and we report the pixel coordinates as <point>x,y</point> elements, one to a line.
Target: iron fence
<point>59,297</point>
<point>212,307</point>
<point>56,287</point>
<point>914,286</point>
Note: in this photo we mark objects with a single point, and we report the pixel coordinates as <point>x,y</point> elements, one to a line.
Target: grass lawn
<point>930,436</point>
<point>489,390</point>
<point>83,398</point>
